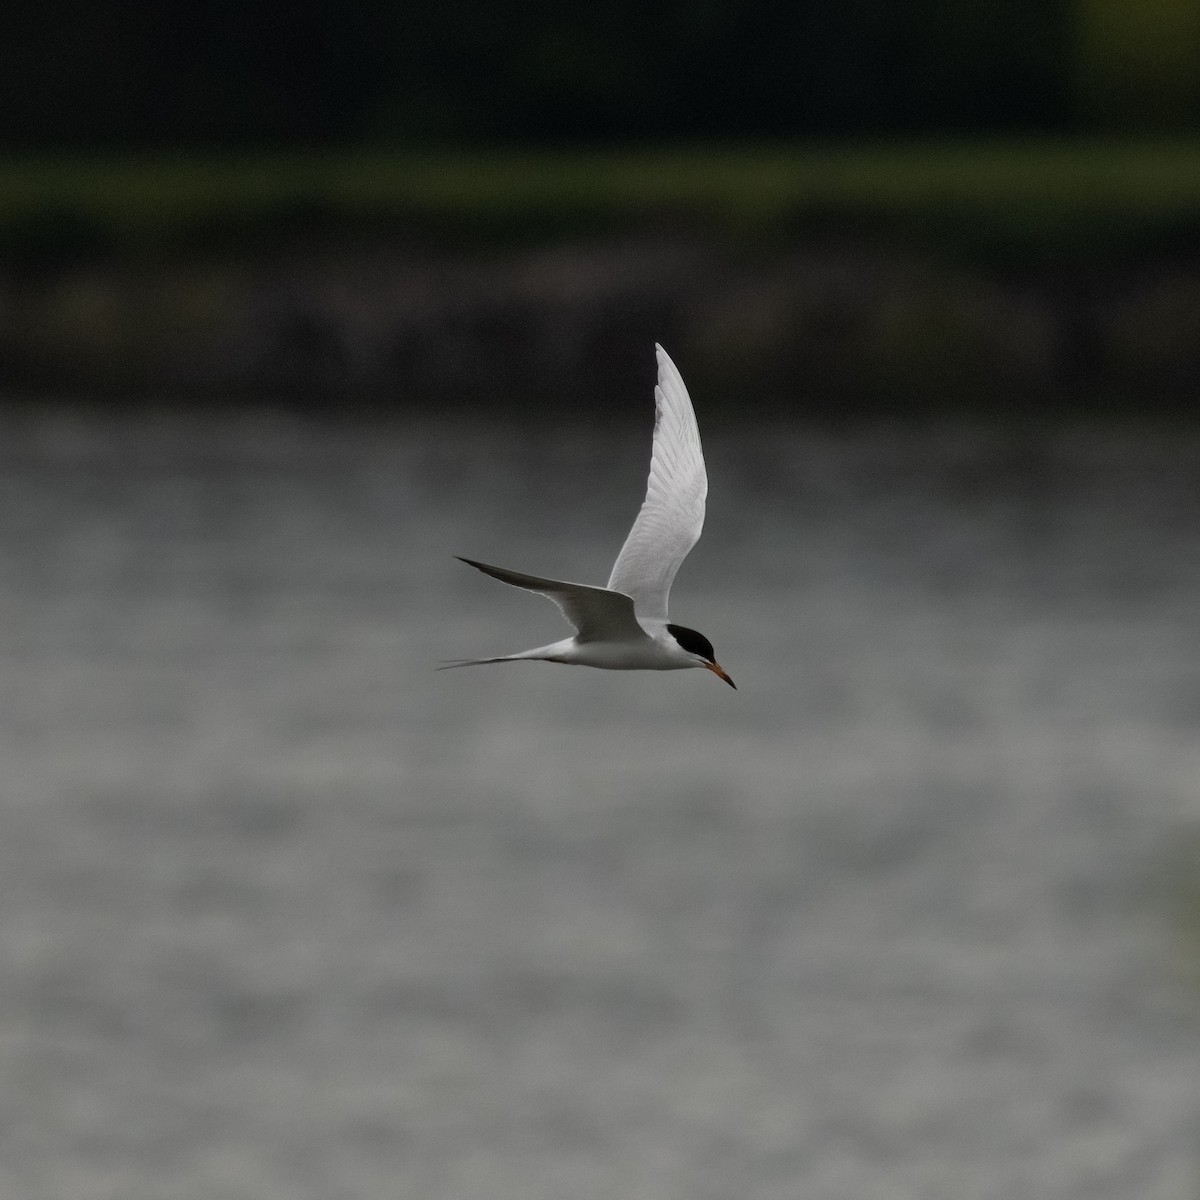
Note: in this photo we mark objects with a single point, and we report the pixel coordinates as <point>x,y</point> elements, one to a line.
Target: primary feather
<point>672,514</point>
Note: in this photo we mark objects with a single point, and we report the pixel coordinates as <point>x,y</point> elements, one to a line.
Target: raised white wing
<point>597,614</point>
<point>672,514</point>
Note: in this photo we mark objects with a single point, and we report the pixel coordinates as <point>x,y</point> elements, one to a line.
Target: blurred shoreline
<point>983,278</point>
<point>810,327</point>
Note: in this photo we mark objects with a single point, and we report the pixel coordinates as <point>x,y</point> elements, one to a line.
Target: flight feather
<point>597,613</point>
<point>672,514</point>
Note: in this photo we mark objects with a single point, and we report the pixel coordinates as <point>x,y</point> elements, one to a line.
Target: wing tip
<point>669,375</point>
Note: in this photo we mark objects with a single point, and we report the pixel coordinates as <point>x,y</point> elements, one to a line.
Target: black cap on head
<point>693,642</point>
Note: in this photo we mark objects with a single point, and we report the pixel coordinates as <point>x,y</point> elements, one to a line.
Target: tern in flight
<point>624,626</point>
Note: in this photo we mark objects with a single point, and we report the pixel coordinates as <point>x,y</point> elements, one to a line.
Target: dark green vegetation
<point>1014,199</point>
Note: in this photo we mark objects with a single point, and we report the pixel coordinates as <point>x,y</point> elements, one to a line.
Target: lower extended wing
<point>598,614</point>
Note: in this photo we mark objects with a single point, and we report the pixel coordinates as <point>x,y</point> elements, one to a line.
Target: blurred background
<point>297,304</point>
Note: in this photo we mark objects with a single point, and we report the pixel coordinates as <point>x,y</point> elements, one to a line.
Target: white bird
<point>624,626</point>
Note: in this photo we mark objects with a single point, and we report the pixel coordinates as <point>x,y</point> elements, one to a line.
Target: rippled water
<point>289,914</point>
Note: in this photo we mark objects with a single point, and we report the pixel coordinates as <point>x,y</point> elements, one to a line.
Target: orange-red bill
<point>719,671</point>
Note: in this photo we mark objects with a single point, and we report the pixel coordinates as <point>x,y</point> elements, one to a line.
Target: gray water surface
<point>287,914</point>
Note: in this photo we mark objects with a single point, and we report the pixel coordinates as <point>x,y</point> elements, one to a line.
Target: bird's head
<point>699,648</point>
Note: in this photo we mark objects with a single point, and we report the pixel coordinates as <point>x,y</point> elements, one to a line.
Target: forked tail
<point>450,663</point>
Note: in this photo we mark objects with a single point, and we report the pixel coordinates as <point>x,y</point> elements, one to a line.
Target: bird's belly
<point>623,656</point>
